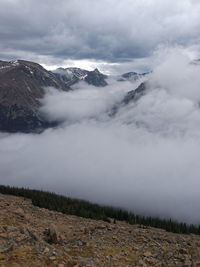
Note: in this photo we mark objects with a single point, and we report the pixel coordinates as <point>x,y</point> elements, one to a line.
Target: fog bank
<point>145,158</point>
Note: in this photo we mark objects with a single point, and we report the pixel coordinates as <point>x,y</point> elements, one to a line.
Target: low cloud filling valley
<point>144,158</point>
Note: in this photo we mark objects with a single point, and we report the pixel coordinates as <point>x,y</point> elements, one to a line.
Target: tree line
<point>86,209</point>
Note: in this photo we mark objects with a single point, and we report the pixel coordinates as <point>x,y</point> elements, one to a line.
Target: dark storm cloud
<point>108,30</point>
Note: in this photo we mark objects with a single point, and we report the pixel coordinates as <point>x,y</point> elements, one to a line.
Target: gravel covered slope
<point>31,236</point>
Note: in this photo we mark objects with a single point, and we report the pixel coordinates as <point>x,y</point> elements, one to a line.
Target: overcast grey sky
<point>115,35</point>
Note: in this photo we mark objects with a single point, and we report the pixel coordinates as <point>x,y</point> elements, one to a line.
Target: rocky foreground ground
<point>31,236</point>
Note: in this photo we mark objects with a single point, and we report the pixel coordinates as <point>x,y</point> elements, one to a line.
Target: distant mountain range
<point>71,76</point>
<point>22,86</point>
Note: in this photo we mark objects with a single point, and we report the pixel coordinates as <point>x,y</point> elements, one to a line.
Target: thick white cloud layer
<point>146,158</point>
<point>85,101</point>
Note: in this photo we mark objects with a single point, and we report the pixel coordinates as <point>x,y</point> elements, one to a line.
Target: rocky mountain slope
<point>21,86</point>
<point>71,76</point>
<point>96,78</point>
<point>134,95</point>
<point>33,236</point>
<point>130,97</point>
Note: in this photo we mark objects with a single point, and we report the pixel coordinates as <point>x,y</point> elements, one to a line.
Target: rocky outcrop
<point>134,95</point>
<point>32,236</point>
<point>132,76</point>
<point>131,97</point>
<point>96,78</point>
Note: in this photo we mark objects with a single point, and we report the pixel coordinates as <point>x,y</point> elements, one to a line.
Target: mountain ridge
<point>22,86</point>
